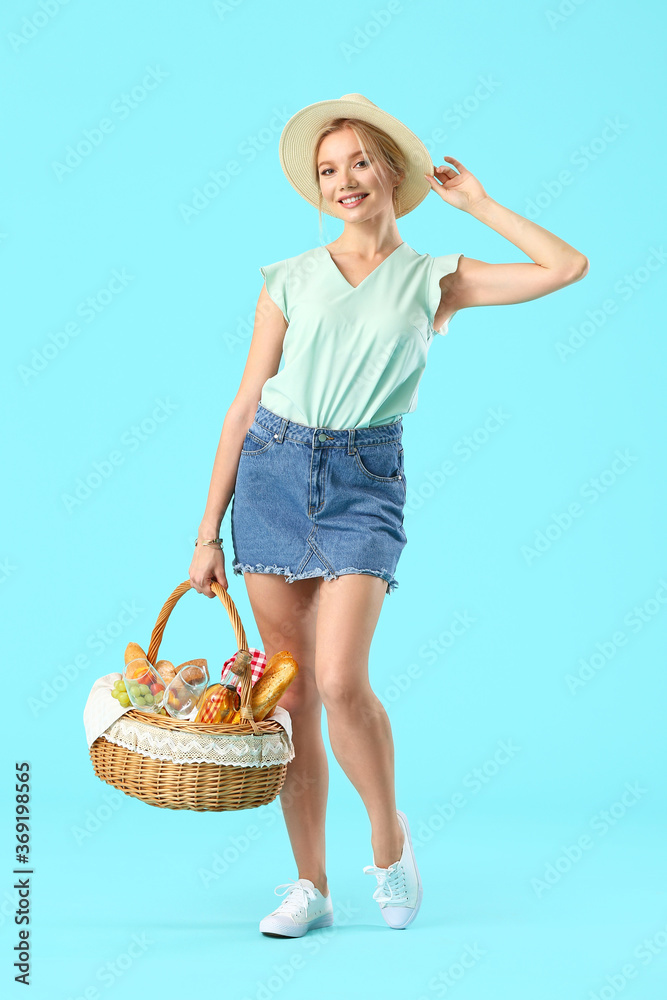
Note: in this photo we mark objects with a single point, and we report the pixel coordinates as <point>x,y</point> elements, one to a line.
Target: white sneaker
<point>399,888</point>
<point>302,910</point>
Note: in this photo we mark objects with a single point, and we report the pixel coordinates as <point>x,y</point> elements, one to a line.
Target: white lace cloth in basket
<point>238,750</point>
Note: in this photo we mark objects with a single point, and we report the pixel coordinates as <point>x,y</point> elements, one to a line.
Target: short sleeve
<point>440,266</point>
<point>275,276</point>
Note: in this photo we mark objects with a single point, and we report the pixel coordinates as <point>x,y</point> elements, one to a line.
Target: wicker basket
<point>199,786</point>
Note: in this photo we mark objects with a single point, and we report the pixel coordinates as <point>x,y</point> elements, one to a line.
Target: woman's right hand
<point>208,563</point>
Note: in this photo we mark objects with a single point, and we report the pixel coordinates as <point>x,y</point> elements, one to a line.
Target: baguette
<point>279,673</point>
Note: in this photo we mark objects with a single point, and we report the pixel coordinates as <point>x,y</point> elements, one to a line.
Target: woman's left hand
<point>461,190</point>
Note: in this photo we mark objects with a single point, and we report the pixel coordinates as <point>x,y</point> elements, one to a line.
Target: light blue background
<point>523,97</point>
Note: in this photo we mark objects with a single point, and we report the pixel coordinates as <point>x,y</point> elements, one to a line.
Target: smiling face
<point>355,186</point>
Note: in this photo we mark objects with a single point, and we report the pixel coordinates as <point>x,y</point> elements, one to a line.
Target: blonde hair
<point>372,140</point>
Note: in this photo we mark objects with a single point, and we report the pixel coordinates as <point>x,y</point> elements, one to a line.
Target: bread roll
<point>166,670</point>
<point>137,666</point>
<point>279,673</point>
<point>191,670</point>
<point>133,651</point>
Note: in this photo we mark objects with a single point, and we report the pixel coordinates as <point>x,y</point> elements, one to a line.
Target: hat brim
<point>298,138</point>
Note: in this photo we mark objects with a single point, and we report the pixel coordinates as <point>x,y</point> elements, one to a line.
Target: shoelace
<point>298,897</point>
<point>391,887</point>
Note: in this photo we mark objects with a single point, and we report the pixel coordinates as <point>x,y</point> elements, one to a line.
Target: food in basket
<point>184,692</point>
<point>133,651</point>
<point>179,782</point>
<point>280,671</point>
<point>192,670</point>
<point>211,704</point>
<point>141,694</point>
<point>235,718</point>
<point>144,686</point>
<point>237,670</point>
<point>166,670</point>
<point>217,704</point>
<point>233,705</point>
<point>120,694</point>
<point>140,670</point>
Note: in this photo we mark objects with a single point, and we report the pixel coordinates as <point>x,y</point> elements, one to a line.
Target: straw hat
<point>297,141</point>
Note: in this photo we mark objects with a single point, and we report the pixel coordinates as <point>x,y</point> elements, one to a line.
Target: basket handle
<point>239,632</point>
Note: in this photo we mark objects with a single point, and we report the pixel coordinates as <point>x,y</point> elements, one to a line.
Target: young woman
<point>312,455</point>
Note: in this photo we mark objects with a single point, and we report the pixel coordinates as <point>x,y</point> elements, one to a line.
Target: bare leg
<point>359,728</point>
<point>286,615</point>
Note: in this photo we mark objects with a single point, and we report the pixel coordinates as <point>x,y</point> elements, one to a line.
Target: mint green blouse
<point>353,357</point>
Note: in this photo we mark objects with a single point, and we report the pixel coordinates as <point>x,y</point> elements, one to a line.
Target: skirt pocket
<point>258,439</point>
<point>381,462</point>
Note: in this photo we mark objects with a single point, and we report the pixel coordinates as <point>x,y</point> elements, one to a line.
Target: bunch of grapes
<point>120,693</point>
<point>143,695</point>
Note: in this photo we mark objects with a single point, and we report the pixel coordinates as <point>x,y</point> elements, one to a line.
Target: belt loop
<point>280,433</point>
<point>350,442</point>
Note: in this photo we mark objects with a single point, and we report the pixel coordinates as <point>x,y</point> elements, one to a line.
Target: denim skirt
<point>311,501</point>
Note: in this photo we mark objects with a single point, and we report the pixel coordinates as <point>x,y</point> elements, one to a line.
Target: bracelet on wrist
<point>214,542</point>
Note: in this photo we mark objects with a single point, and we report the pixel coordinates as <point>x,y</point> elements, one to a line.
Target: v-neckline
<point>354,287</point>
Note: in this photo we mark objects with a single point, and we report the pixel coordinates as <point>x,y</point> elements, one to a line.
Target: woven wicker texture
<point>201,786</point>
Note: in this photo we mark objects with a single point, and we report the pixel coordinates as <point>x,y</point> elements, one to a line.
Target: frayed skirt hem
<point>290,577</point>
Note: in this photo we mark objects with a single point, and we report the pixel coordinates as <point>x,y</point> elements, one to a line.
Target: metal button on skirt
<point>311,501</point>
